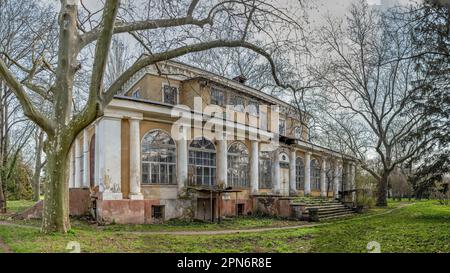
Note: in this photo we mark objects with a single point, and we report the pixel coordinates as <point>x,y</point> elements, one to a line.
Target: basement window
<point>157,214</point>
<point>240,209</point>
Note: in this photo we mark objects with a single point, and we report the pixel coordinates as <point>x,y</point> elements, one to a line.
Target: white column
<point>222,162</point>
<point>307,173</point>
<point>85,159</point>
<point>182,161</point>
<point>109,158</point>
<point>77,177</point>
<point>97,154</point>
<point>336,178</point>
<point>135,160</point>
<point>347,177</point>
<point>71,180</point>
<point>254,167</point>
<point>352,180</point>
<point>276,172</point>
<point>323,179</point>
<point>292,173</point>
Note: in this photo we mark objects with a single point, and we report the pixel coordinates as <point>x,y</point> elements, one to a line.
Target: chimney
<point>241,79</point>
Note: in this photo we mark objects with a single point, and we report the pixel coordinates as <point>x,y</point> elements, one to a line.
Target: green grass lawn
<point>421,227</point>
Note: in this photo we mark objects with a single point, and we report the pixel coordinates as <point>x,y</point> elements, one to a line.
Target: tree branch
<point>29,109</point>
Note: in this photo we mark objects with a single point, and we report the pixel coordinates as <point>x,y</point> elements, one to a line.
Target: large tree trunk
<point>382,191</point>
<point>2,197</point>
<point>38,166</point>
<point>56,196</point>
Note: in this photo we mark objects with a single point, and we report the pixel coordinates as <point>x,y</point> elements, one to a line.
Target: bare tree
<point>368,83</point>
<point>38,163</point>
<point>118,62</point>
<point>15,21</point>
<point>176,28</point>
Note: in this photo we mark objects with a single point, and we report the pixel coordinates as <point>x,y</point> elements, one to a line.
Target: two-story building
<point>233,145</point>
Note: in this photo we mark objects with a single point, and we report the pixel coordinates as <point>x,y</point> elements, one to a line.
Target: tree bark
<point>56,195</point>
<point>382,191</point>
<point>38,167</point>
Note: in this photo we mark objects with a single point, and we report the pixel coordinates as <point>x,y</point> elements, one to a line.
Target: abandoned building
<point>127,166</point>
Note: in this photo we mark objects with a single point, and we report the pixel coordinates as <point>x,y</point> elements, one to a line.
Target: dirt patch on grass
<point>4,248</point>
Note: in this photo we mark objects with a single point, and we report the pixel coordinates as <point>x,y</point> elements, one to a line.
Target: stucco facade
<point>143,163</point>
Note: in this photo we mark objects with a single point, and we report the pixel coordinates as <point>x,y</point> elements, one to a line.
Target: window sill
<point>159,185</point>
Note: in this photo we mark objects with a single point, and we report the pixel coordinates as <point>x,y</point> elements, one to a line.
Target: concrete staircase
<point>319,209</point>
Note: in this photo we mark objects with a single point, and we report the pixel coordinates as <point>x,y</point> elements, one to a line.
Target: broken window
<point>170,94</point>
<point>240,209</point>
<point>300,173</point>
<point>217,96</point>
<point>238,103</point>
<point>265,171</point>
<point>202,163</point>
<point>315,174</point>
<point>158,158</point>
<point>157,214</point>
<point>238,165</point>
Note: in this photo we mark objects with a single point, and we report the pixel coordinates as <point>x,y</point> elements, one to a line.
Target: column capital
<point>134,118</point>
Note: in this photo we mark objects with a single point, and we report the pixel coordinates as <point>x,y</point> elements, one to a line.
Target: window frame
<point>243,161</point>
<point>232,102</point>
<point>264,158</point>
<point>252,102</point>
<point>177,95</point>
<point>300,173</point>
<point>217,89</point>
<point>301,132</point>
<point>147,166</point>
<point>284,127</point>
<point>193,160</point>
<point>162,213</point>
<point>315,174</point>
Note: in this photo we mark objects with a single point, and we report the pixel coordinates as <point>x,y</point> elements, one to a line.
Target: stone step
<point>338,215</point>
<point>324,210</point>
<point>317,203</point>
<point>328,212</point>
<point>332,215</point>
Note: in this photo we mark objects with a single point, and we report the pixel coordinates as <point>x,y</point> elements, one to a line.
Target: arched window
<point>265,170</point>
<point>202,162</point>
<point>315,174</point>
<point>158,158</point>
<point>238,165</point>
<point>300,173</point>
